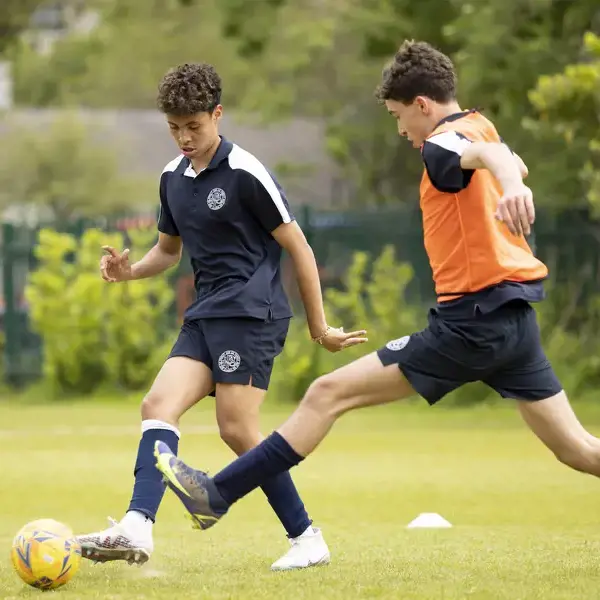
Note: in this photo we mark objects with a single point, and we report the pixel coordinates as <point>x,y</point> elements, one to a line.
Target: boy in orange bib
<point>476,214</point>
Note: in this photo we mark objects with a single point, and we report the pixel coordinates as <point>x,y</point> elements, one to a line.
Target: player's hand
<point>516,209</point>
<point>336,340</point>
<point>114,266</point>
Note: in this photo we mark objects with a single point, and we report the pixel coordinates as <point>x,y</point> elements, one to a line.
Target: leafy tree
<point>120,63</point>
<point>14,17</point>
<point>504,48</point>
<point>569,109</point>
<point>323,59</point>
<point>68,173</point>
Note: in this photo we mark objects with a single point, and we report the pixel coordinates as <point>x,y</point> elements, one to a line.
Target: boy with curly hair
<point>230,214</point>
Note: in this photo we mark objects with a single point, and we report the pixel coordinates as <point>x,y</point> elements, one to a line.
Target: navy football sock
<point>271,457</point>
<point>287,504</point>
<point>149,488</point>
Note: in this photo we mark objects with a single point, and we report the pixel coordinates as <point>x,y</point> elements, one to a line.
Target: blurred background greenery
<point>81,149</point>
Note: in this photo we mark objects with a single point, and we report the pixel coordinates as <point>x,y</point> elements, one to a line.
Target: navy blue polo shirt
<point>225,215</point>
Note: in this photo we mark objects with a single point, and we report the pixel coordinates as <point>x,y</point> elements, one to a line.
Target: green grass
<point>524,525</point>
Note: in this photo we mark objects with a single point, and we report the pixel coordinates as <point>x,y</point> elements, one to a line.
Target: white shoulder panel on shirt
<point>241,159</point>
<point>450,140</point>
<point>173,164</point>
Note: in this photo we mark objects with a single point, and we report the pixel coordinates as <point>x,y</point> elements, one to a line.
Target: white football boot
<point>307,550</point>
<point>118,542</point>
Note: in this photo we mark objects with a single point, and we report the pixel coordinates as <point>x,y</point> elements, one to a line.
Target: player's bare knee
<point>573,458</point>
<point>156,406</point>
<point>325,396</point>
<point>582,457</point>
<point>238,436</point>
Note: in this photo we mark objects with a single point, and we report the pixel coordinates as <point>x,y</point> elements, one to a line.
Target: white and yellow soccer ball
<point>45,554</point>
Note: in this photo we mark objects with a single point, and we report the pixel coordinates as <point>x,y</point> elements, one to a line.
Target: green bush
<point>373,298</point>
<point>2,350</point>
<point>569,323</point>
<point>96,334</point>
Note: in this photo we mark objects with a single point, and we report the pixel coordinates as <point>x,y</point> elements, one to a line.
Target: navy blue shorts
<point>501,348</point>
<point>237,350</point>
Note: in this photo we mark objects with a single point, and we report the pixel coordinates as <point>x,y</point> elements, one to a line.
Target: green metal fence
<point>569,244</point>
<point>22,348</point>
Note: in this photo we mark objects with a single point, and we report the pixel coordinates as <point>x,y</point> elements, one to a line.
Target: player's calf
<point>554,422</point>
<point>581,456</point>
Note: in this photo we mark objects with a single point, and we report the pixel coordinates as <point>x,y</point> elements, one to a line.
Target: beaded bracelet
<point>319,339</point>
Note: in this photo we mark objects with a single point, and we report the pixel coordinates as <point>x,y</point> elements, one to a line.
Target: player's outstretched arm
<point>496,157</point>
<point>516,207</point>
<point>291,237</point>
<point>115,267</point>
<point>522,166</point>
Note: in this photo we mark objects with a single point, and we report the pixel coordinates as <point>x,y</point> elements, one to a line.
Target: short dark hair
<point>418,69</point>
<point>188,89</point>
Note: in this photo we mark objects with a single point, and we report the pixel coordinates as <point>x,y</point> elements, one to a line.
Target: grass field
<point>525,527</point>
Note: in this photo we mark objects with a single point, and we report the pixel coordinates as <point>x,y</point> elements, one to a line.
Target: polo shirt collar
<point>220,155</point>
<point>455,117</point>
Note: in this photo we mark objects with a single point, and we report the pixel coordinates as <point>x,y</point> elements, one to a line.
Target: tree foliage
<point>569,108</point>
<point>120,62</point>
<point>505,49</point>
<point>67,173</point>
<point>14,16</point>
<point>323,58</point>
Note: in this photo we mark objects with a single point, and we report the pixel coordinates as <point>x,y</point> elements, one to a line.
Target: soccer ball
<point>45,554</point>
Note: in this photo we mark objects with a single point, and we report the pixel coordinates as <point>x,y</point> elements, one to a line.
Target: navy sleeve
<point>441,154</point>
<point>266,200</point>
<point>166,224</point>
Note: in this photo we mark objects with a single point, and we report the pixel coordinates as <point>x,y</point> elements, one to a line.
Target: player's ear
<point>217,113</point>
<point>422,104</point>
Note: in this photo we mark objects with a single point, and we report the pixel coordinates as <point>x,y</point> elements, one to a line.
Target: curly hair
<point>418,69</point>
<point>189,89</point>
